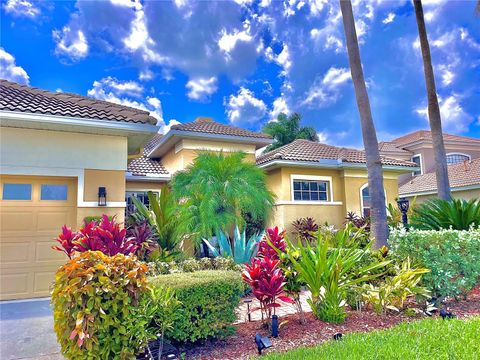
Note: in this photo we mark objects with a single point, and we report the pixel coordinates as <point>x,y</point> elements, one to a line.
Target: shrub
<point>99,306</point>
<point>192,265</point>
<point>208,301</point>
<point>452,256</point>
<point>439,214</point>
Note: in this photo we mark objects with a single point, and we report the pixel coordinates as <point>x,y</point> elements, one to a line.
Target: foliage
<point>437,214</point>
<point>96,218</point>
<point>216,189</point>
<point>106,236</point>
<point>287,129</point>
<point>327,272</point>
<point>253,225</point>
<point>305,228</point>
<point>164,221</point>
<point>358,221</point>
<point>208,301</point>
<point>239,248</point>
<point>272,243</point>
<point>145,237</point>
<point>192,265</point>
<point>99,304</point>
<point>394,215</point>
<point>392,293</point>
<point>422,340</point>
<point>452,256</point>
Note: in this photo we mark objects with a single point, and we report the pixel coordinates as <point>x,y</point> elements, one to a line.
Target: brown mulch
<point>241,345</point>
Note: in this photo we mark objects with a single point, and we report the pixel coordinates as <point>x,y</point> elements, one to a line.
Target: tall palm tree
<point>441,169</point>
<point>287,129</point>
<point>378,211</point>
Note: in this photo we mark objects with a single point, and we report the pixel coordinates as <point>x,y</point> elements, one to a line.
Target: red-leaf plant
<point>265,277</point>
<point>106,236</point>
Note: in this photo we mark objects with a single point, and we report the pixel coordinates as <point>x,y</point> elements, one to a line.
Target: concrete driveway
<point>26,331</point>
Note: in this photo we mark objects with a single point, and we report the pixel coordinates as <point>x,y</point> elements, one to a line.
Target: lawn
<point>426,339</point>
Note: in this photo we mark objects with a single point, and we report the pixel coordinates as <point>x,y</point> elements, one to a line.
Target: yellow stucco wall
<point>465,195</point>
<point>113,180</point>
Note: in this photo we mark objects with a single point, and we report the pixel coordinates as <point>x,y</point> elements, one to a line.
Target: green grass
<point>426,339</point>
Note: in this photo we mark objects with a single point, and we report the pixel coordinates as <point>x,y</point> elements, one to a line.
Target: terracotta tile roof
<point>388,146</point>
<point>144,166</point>
<point>22,98</point>
<point>153,143</point>
<point>304,150</point>
<point>427,135</point>
<point>460,175</point>
<point>207,125</point>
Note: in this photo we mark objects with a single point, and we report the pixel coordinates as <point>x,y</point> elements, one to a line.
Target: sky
<point>243,62</point>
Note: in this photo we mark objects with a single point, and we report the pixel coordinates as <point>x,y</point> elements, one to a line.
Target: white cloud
<point>244,108</point>
<point>323,137</point>
<point>71,43</point>
<point>325,91</point>
<point>127,93</point>
<point>228,41</point>
<point>145,75</point>
<point>9,69</point>
<point>447,74</point>
<point>279,106</point>
<point>171,122</point>
<point>390,17</point>
<point>201,88</point>
<point>283,59</point>
<point>22,8</point>
<point>454,117</point>
<point>138,36</point>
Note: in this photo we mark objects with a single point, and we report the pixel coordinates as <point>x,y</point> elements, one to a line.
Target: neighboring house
<point>56,151</point>
<point>417,147</point>
<point>323,182</point>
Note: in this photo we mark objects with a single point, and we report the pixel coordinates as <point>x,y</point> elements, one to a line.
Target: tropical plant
<point>434,118</point>
<point>241,250</point>
<point>106,236</point>
<point>394,291</point>
<point>374,162</point>
<point>273,241</point>
<point>437,214</point>
<point>191,265</point>
<point>216,189</point>
<point>305,228</point>
<point>326,270</point>
<point>164,221</point>
<point>358,221</point>
<point>99,306</point>
<point>287,129</point>
<point>145,238</point>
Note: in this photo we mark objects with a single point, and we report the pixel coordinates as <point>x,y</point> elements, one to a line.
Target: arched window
<point>454,158</point>
<point>365,200</point>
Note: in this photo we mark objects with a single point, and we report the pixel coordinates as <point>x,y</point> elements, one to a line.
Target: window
<point>417,159</point>
<point>310,190</point>
<point>17,192</point>
<point>365,196</point>
<point>454,158</point>
<point>140,195</point>
<point>54,192</point>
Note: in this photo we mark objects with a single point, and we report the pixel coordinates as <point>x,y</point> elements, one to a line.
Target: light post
<point>403,205</point>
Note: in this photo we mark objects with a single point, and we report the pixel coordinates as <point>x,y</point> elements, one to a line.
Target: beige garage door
<point>32,212</point>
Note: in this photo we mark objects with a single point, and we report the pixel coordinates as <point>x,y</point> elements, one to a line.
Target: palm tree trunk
<point>378,212</point>
<point>441,168</point>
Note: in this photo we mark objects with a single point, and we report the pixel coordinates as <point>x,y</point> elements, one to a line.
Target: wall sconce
<point>102,196</point>
<point>403,205</point>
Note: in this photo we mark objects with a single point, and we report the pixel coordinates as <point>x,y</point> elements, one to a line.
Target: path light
<point>102,196</point>
<point>446,314</point>
<point>275,326</point>
<point>248,302</point>
<point>403,205</point>
<point>337,336</point>
<point>262,342</point>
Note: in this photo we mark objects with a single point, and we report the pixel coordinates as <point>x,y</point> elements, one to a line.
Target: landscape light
<point>262,342</point>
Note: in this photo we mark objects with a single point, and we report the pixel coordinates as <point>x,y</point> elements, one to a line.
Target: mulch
<point>241,345</point>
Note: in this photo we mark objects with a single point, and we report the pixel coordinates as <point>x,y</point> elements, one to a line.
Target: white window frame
<point>458,153</point>
<point>328,179</point>
<point>421,164</point>
<point>361,198</point>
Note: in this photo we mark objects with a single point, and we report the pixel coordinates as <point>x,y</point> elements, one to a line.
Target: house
<point>418,148</point>
<point>324,182</point>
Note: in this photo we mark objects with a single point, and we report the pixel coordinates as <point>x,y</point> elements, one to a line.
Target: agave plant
<point>241,250</point>
<point>439,214</point>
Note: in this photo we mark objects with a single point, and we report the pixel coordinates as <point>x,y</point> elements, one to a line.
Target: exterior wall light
<point>102,196</point>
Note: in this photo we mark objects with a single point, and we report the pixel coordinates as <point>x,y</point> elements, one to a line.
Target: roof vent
<point>204,119</point>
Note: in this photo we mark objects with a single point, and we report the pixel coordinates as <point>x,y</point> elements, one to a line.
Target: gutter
<point>434,192</point>
<point>148,177</point>
<point>332,164</point>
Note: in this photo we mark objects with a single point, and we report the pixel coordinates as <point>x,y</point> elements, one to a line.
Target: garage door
<point>32,212</point>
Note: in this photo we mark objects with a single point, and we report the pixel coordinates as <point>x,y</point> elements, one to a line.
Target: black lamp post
<point>102,196</point>
<point>403,205</point>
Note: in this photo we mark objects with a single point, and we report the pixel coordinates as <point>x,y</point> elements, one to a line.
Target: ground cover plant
<point>426,339</point>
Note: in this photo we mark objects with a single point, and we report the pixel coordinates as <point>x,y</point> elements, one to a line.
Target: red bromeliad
<point>275,236</point>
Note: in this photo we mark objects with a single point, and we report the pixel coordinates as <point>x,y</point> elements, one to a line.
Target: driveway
<point>26,331</point>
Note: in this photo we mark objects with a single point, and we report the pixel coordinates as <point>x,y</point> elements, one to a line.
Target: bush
<point>99,306</point>
<point>208,301</point>
<point>452,256</point>
<point>192,265</point>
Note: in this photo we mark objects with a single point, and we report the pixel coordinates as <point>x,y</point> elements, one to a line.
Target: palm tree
<point>441,169</point>
<point>217,189</point>
<point>378,213</point>
<point>287,129</point>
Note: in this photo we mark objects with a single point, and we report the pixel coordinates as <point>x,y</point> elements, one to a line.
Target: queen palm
<point>378,213</point>
<point>441,169</point>
<point>217,189</point>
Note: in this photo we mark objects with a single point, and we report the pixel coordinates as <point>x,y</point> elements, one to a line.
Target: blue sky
<point>242,62</point>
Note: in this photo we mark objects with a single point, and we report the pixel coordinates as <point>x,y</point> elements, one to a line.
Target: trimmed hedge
<point>208,301</point>
<point>453,256</point>
<point>192,265</point>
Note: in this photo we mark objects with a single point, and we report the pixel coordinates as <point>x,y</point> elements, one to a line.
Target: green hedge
<point>208,301</point>
<point>453,257</point>
<point>192,265</point>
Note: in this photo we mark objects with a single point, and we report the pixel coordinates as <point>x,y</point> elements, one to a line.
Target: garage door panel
<point>18,221</point>
<point>42,283</point>
<point>49,220</point>
<point>45,253</point>
<point>14,252</point>
<point>15,285</point>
